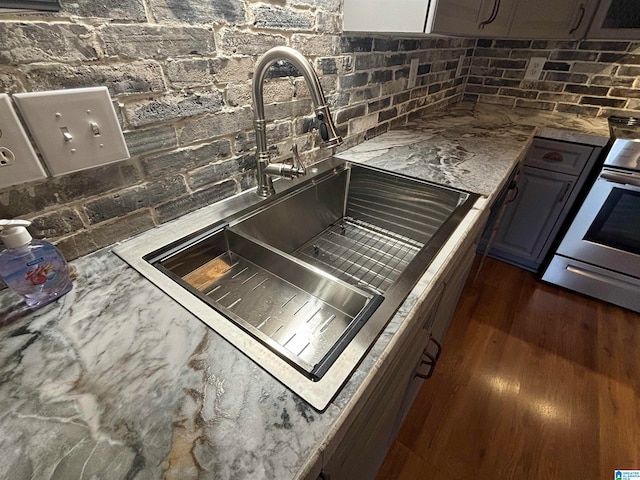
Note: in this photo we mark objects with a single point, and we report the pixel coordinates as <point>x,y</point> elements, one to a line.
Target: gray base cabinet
<point>363,448</point>
<point>548,184</point>
<point>530,218</point>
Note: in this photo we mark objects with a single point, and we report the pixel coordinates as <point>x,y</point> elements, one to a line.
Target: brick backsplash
<point>591,78</point>
<point>179,74</point>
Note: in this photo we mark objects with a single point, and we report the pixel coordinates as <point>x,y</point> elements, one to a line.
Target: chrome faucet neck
<point>326,128</point>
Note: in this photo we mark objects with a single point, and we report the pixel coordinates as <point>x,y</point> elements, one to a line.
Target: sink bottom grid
<point>360,253</point>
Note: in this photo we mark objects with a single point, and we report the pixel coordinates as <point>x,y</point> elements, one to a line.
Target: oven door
<point>606,231</point>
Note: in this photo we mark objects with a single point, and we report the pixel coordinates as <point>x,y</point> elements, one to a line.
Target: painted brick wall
<point>591,78</point>
<point>180,77</point>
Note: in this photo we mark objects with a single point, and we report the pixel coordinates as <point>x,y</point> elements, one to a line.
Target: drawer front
<point>563,157</point>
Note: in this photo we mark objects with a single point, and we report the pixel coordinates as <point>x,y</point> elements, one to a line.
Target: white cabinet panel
<point>550,19</point>
<point>489,18</point>
<point>407,16</point>
<point>526,19</point>
<point>447,17</point>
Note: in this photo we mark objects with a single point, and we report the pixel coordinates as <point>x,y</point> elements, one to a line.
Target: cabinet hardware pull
<point>432,364</point>
<point>515,191</point>
<point>564,192</point>
<point>492,17</point>
<point>324,476</point>
<point>431,361</point>
<point>582,13</point>
<point>439,345</point>
<point>553,157</point>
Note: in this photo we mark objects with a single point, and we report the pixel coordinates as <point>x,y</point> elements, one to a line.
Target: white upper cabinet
<point>477,18</point>
<point>402,16</point>
<point>446,17</point>
<point>616,19</point>
<point>526,19</point>
<point>551,19</point>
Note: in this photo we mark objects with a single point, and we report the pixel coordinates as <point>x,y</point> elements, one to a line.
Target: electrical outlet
<point>534,69</point>
<point>413,72</point>
<point>74,129</point>
<point>18,160</point>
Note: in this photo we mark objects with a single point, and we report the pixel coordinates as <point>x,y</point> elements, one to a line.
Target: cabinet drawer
<point>563,157</point>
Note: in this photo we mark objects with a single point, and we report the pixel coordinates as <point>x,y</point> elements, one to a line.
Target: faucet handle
<point>297,162</point>
<point>287,169</point>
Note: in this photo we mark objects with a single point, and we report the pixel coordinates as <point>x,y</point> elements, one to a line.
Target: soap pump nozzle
<point>14,233</point>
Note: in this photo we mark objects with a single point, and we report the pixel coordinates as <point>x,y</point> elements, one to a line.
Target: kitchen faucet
<point>266,170</point>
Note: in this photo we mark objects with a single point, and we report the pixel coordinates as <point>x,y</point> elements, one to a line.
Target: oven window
<point>617,224</point>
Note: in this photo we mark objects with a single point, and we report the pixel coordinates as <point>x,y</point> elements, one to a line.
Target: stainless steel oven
<point>600,253</point>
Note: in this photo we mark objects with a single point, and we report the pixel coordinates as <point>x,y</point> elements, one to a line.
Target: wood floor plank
<point>401,464</point>
<point>619,389</point>
<point>534,382</point>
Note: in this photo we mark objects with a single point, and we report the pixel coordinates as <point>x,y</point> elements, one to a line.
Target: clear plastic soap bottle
<point>34,269</point>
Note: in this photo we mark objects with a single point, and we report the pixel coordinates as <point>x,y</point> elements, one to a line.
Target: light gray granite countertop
<point>117,381</point>
<point>472,146</point>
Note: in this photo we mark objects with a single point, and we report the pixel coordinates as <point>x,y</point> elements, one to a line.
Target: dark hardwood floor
<point>534,382</point>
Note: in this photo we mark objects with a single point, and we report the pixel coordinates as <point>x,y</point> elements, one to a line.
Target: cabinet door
<point>529,219</point>
<point>470,17</point>
<point>385,15</point>
<point>549,19</point>
<point>616,19</point>
<point>452,291</point>
<point>362,450</point>
<point>364,446</point>
<point>416,379</point>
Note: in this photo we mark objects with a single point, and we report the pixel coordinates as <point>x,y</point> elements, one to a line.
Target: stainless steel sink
<point>305,281</point>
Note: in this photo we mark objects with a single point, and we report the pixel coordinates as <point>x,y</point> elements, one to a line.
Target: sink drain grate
<point>360,253</point>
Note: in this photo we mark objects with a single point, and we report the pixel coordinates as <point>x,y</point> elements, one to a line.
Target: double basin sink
<point>305,281</point>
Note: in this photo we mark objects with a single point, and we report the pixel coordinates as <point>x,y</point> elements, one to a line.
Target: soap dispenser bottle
<point>34,269</point>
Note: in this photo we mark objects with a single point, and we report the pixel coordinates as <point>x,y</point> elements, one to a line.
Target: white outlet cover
<point>534,69</point>
<point>74,129</point>
<point>18,160</point>
<point>413,72</point>
<point>460,65</point>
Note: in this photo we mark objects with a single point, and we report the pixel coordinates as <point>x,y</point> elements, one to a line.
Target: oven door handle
<point>622,178</point>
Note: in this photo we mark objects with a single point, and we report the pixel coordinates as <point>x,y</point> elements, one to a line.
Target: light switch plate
<point>18,160</point>
<point>74,129</point>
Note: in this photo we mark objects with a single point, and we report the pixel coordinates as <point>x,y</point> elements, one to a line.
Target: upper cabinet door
<point>478,18</point>
<point>551,19</point>
<point>616,19</point>
<point>406,16</point>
